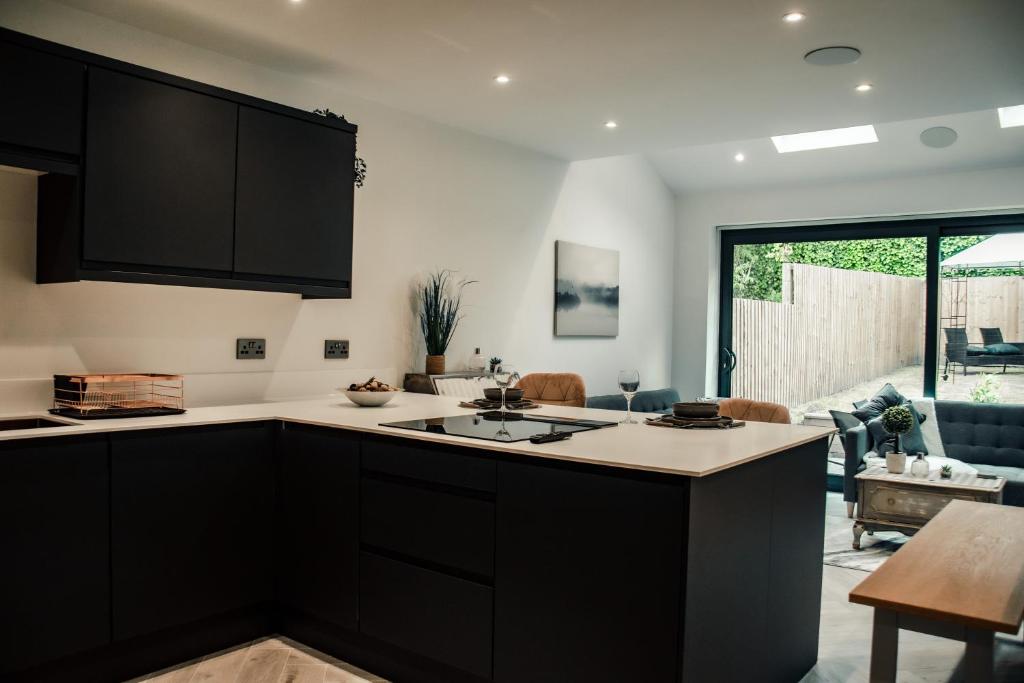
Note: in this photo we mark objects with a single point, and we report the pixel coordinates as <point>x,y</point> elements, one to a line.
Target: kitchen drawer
<point>431,614</point>
<point>428,464</point>
<point>886,502</point>
<point>435,526</point>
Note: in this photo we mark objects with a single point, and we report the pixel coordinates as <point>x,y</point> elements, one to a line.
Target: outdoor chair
<point>960,352</point>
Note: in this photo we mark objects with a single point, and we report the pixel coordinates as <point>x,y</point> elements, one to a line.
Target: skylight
<point>821,139</point>
<point>1011,116</point>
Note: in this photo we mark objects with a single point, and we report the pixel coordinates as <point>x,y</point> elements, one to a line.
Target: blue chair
<point>654,401</point>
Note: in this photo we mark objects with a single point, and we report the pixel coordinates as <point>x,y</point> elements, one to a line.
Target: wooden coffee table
<point>904,503</point>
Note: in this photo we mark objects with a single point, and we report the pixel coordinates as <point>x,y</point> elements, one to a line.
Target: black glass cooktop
<point>491,426</point>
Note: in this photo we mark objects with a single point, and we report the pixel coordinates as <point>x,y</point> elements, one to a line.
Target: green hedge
<point>757,268</point>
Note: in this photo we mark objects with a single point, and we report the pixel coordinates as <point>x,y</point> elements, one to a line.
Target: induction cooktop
<point>492,426</point>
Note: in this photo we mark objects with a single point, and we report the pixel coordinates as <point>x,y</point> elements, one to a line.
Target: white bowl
<point>370,399</point>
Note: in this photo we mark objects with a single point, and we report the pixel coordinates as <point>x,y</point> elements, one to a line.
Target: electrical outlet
<point>250,349</point>
<point>335,348</point>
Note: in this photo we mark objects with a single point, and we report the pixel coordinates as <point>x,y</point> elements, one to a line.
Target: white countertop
<point>693,452</point>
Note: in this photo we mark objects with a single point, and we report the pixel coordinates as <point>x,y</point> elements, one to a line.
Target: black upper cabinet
<point>294,203</point>
<point>160,174</point>
<point>319,530</point>
<point>192,519</point>
<point>42,100</point>
<point>55,573</point>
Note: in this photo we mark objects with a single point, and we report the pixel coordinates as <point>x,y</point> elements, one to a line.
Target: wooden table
<point>905,503</point>
<point>960,577</point>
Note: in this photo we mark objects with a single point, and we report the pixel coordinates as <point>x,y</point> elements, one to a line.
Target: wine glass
<point>505,375</point>
<point>629,382</point>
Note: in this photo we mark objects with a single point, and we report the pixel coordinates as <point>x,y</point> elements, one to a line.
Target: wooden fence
<point>834,329</point>
<point>987,302</point>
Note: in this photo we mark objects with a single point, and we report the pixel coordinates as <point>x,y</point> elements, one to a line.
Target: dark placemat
<point>721,422</point>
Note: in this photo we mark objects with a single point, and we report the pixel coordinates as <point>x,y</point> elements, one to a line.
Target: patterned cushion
<point>554,388</point>
<point>754,411</point>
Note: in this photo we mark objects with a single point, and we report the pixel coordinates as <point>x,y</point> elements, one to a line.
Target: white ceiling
<point>685,79</point>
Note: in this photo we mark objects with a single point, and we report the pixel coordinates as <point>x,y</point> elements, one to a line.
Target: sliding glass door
<point>817,318</point>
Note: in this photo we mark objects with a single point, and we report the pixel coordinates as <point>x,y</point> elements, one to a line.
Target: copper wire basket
<point>128,395</point>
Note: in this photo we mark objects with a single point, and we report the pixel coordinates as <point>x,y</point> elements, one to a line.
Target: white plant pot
<point>896,463</point>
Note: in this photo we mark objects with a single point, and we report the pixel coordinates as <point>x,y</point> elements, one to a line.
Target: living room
<point>814,206</point>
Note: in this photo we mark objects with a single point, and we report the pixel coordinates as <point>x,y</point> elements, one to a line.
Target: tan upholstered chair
<point>753,411</point>
<point>554,388</point>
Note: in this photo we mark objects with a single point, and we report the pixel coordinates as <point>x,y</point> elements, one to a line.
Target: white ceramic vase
<point>895,462</point>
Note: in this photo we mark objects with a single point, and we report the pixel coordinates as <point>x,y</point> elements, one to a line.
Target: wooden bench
<point>960,577</point>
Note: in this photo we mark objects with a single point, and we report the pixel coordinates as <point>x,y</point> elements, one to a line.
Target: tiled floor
<point>268,660</point>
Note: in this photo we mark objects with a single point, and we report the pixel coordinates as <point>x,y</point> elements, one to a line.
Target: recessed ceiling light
<point>502,79</point>
<point>821,139</point>
<point>740,156</point>
<point>295,2</point>
<point>610,124</point>
<point>1010,117</point>
<point>864,87</point>
<point>793,17</point>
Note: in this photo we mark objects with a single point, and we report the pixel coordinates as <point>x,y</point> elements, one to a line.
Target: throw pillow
<point>912,442</point>
<point>1002,350</point>
<point>886,397</point>
<point>930,427</point>
<point>844,421</point>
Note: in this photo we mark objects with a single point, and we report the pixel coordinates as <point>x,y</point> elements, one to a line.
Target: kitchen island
<point>625,553</point>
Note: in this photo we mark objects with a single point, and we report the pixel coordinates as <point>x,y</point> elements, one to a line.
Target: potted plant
<point>440,299</point>
<point>494,363</point>
<point>897,420</point>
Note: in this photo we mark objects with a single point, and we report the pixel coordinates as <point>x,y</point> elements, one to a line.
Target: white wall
<point>434,197</point>
<point>699,216</point>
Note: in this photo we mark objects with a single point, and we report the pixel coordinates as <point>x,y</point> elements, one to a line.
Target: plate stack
<point>695,415</point>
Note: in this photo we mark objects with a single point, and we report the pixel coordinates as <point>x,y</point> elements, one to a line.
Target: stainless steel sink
<point>31,422</point>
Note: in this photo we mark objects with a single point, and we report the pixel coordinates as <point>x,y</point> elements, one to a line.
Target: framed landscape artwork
<point>586,291</point>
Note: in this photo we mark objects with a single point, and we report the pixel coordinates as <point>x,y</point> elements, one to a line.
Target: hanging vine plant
<point>359,172</point>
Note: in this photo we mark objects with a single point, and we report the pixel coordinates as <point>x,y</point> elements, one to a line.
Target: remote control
<point>548,438</point>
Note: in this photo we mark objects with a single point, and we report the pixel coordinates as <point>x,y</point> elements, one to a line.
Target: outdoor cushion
<point>975,350</point>
<point>1002,350</point>
<point>982,433</point>
<point>1013,492</point>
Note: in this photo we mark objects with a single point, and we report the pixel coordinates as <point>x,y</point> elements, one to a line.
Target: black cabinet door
<point>42,97</point>
<point>192,521</point>
<point>160,175</point>
<point>294,202</point>
<point>55,571</point>
<point>319,528</point>
<point>587,576</point>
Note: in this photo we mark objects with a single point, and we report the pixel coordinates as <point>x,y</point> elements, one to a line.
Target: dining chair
<point>754,411</point>
<point>554,388</point>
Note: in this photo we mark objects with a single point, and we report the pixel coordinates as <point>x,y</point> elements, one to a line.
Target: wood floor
<point>268,660</point>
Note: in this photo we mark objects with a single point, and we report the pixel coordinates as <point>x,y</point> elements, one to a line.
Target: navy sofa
<point>989,436</point>
<point>654,401</point>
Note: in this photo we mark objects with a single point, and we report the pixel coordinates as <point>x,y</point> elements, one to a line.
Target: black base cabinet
<point>192,524</point>
<point>588,575</point>
<point>419,562</point>
<point>318,563</point>
<point>55,570</point>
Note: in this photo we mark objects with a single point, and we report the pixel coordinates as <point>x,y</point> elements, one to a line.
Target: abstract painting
<point>586,291</point>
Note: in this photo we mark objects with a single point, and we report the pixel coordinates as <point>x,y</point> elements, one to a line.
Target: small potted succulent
<point>897,420</point>
<point>946,472</point>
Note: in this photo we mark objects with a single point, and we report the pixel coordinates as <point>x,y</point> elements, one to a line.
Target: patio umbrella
<point>1005,250</point>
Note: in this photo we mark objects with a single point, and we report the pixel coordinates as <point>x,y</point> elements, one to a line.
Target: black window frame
<point>932,229</point>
